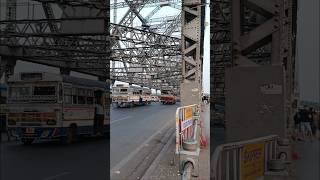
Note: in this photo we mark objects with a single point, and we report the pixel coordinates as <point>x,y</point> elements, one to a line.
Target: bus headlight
<point>51,122</point>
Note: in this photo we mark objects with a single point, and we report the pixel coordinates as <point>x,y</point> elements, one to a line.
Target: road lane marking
<point>124,161</point>
<point>56,176</point>
<point>121,119</point>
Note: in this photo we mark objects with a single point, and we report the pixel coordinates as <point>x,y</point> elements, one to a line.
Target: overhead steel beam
<point>259,36</point>
<point>29,39</point>
<point>153,3</point>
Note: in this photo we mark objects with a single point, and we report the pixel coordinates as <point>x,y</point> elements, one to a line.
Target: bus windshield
<point>31,91</point>
<point>16,92</point>
<point>120,91</point>
<point>123,90</point>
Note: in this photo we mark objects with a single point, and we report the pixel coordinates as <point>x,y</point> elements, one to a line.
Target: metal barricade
<point>187,138</point>
<point>245,159</point>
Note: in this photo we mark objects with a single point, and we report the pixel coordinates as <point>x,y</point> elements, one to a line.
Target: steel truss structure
<point>253,33</point>
<point>147,55</point>
<point>221,54</point>
<point>51,42</point>
<point>193,18</point>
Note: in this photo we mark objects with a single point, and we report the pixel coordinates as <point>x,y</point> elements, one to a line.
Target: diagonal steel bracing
<point>154,55</point>
<point>257,34</point>
<point>30,39</point>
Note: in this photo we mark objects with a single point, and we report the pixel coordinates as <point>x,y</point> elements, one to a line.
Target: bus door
<point>99,112</point>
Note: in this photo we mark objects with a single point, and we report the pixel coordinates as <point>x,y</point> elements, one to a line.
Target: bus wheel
<point>27,141</point>
<point>71,135</point>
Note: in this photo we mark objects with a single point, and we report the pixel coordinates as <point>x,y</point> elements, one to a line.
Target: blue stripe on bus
<point>54,132</point>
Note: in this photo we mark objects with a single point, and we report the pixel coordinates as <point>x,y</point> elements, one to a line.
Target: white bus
<point>42,105</point>
<point>146,95</point>
<point>124,95</point>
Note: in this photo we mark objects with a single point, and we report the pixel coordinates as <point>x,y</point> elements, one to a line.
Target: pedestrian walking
<point>312,122</point>
<point>318,120</point>
<point>305,125</point>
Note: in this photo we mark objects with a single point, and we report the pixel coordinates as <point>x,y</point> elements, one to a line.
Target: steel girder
<point>152,58</point>
<point>191,40</point>
<point>157,50</point>
<point>253,33</point>
<point>221,53</point>
<point>264,30</point>
<point>36,34</point>
<point>192,37</point>
<point>147,80</point>
<point>152,13</point>
<point>165,25</point>
<point>41,41</point>
<point>142,37</point>
<point>153,3</point>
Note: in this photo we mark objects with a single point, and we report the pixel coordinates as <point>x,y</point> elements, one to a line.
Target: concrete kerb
<point>155,163</point>
<point>133,153</point>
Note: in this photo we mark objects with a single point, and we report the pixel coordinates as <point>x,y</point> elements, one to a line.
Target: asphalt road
<point>84,160</point>
<point>87,159</point>
<point>308,164</point>
<point>131,128</point>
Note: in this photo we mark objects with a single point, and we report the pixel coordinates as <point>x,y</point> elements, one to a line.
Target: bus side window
<point>89,100</point>
<point>74,99</point>
<point>74,95</point>
<point>81,100</point>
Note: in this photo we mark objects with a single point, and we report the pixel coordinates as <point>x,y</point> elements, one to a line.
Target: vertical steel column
<point>192,22</point>
<point>221,55</point>
<point>263,40</point>
<point>191,88</point>
<point>11,13</point>
<point>287,56</point>
<point>8,63</point>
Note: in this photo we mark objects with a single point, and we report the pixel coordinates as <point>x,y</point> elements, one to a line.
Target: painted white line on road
<point>56,176</point>
<point>121,119</point>
<point>124,161</point>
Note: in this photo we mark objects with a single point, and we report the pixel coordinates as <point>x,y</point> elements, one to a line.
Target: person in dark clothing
<point>311,120</point>
<point>140,100</point>
<point>99,114</point>
<point>297,125</point>
<point>305,124</point>
<point>204,99</point>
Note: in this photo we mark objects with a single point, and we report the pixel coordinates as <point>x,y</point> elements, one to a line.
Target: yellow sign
<point>188,113</point>
<point>252,161</point>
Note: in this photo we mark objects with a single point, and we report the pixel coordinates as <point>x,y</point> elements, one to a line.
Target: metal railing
<point>232,160</point>
<point>187,140</point>
<point>186,125</point>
